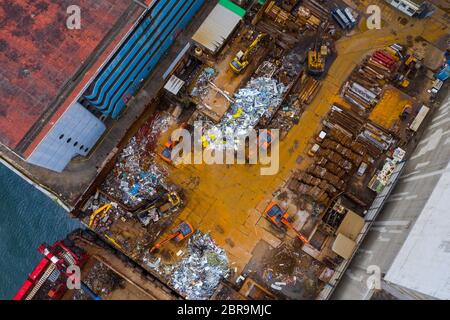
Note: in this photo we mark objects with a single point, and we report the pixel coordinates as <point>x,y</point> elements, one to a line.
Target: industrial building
<point>420,269</point>
<point>61,85</point>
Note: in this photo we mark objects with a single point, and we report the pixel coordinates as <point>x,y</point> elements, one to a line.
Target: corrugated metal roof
<point>174,85</point>
<point>216,29</point>
<point>75,133</point>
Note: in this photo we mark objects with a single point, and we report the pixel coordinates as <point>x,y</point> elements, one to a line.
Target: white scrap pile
<point>198,275</point>
<point>200,271</point>
<point>259,98</point>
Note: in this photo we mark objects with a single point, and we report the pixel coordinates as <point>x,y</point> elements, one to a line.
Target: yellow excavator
<point>99,214</point>
<point>317,56</point>
<point>316,62</point>
<point>242,59</point>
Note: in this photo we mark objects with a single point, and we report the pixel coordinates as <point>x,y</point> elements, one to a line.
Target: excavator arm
<point>102,211</point>
<point>167,239</point>
<point>240,63</point>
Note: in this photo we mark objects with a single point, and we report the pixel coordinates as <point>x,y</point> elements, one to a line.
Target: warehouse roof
<point>42,61</point>
<point>219,25</point>
<point>423,262</point>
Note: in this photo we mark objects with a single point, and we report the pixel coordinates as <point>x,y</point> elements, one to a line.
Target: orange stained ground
<point>228,201</point>
<point>390,107</point>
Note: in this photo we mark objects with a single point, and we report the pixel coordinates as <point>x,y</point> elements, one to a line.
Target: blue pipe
<point>89,292</point>
<point>119,77</point>
<point>118,58</point>
<point>144,69</point>
<point>146,72</point>
<point>131,48</point>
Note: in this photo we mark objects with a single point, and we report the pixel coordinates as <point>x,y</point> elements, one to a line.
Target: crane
<point>281,218</point>
<point>241,61</point>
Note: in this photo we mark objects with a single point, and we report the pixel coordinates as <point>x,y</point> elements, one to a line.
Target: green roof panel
<point>233,7</point>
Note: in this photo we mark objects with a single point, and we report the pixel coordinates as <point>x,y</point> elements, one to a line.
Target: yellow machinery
<point>242,59</point>
<point>411,59</point>
<point>98,214</point>
<point>113,241</point>
<point>316,62</point>
<point>174,198</point>
<point>317,55</point>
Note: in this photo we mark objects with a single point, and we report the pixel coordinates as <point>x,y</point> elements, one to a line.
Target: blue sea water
<point>27,219</point>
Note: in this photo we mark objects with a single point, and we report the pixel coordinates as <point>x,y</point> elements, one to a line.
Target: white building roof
<point>174,85</point>
<point>423,263</point>
<point>75,133</point>
<point>218,27</point>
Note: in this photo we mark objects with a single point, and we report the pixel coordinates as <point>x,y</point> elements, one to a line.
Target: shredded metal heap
<point>199,274</point>
<point>258,99</point>
<point>135,177</point>
<point>200,271</point>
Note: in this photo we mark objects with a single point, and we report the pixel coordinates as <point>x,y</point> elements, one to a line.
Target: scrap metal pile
<point>101,280</point>
<point>201,87</point>
<point>312,14</point>
<point>287,116</point>
<point>197,275</point>
<point>365,85</point>
<point>259,98</point>
<point>289,113</point>
<point>135,177</point>
<point>350,141</point>
<point>308,16</point>
<point>289,269</point>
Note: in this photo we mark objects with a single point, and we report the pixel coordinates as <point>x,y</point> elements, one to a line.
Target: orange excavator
<point>166,153</point>
<point>183,231</point>
<point>281,218</point>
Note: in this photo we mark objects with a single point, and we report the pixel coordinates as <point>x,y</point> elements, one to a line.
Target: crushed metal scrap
<point>259,98</point>
<point>135,176</point>
<point>197,275</point>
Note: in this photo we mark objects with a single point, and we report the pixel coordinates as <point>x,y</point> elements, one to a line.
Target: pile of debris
<point>101,280</point>
<point>287,116</point>
<point>201,87</point>
<point>288,269</point>
<point>135,177</point>
<point>289,113</point>
<point>374,140</point>
<point>197,275</point>
<point>259,98</point>
<point>310,88</point>
<point>308,16</point>
<point>312,14</point>
<point>347,144</point>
